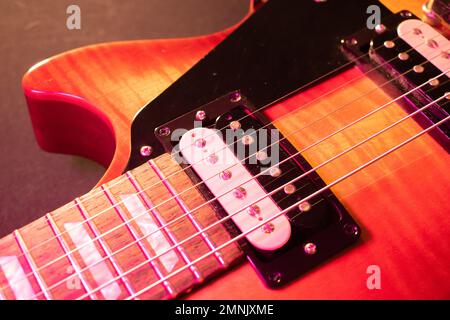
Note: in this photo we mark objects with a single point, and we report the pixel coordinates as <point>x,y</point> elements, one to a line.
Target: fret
<point>186,210</point>
<point>87,251</point>
<point>142,225</point>
<point>102,235</point>
<point>204,215</point>
<point>118,234</point>
<point>144,250</point>
<point>16,278</point>
<point>167,209</point>
<point>32,264</point>
<point>73,262</point>
<point>151,207</point>
<point>105,248</point>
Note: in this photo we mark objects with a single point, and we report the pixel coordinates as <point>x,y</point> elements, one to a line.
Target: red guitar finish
<point>83,101</point>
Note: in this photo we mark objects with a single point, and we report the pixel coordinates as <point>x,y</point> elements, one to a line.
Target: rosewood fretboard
<point>85,249</point>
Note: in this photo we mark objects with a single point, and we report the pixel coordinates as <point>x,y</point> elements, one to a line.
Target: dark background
<point>32,181</point>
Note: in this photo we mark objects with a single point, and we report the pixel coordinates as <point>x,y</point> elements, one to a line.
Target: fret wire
<point>322,189</point>
<point>105,247</point>
<point>216,223</point>
<point>32,264</point>
<point>328,93</point>
<point>167,286</point>
<point>73,262</point>
<point>187,212</point>
<point>350,123</point>
<point>358,169</point>
<point>335,89</point>
<point>370,113</point>
<point>155,214</point>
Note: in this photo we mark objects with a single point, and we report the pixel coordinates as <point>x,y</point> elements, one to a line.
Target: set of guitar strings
<point>121,179</point>
<point>287,209</point>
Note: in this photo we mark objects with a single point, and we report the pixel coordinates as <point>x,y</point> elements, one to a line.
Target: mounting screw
<point>351,229</point>
<point>275,277</point>
<point>164,131</point>
<point>235,97</point>
<point>146,151</point>
<point>200,115</point>
<point>310,248</point>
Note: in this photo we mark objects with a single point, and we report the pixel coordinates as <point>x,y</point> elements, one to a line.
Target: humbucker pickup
<point>241,195</point>
<point>414,57</point>
<point>251,173</point>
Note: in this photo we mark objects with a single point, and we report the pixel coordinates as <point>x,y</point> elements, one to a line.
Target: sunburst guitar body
<point>104,101</point>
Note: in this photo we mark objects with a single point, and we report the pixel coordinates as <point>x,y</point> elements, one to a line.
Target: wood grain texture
<point>401,202</point>
<point>124,240</point>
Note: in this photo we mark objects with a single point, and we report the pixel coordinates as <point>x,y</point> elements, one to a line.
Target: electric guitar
<point>301,154</point>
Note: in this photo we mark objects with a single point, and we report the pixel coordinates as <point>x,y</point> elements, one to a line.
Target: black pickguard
<point>280,49</point>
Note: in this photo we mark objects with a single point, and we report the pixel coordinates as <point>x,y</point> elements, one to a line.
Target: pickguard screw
<point>275,277</point>
<point>200,115</point>
<point>146,151</point>
<point>310,248</point>
<point>380,28</point>
<point>164,131</point>
<point>351,230</point>
<point>235,97</point>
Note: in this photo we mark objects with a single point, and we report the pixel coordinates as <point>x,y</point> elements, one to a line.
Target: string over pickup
<point>239,193</point>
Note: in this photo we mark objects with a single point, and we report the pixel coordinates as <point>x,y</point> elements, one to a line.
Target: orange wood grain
<point>401,202</point>
<point>124,248</point>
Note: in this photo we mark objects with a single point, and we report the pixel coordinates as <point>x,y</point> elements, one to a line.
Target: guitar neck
<point>101,245</point>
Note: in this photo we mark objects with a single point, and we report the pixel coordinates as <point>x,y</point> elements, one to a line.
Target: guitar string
<point>136,193</point>
<point>284,211</point>
<point>277,189</point>
<point>174,173</point>
<point>172,274</point>
<point>46,265</point>
<point>124,178</point>
<point>179,218</point>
